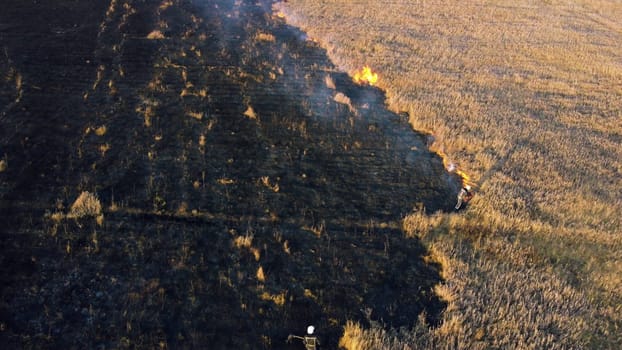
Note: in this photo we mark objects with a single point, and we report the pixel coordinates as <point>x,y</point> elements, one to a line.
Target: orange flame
<point>366,76</point>
<point>466,179</point>
<point>453,168</point>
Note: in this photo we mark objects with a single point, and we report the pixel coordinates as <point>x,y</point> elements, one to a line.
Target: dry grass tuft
<point>87,204</point>
<point>330,83</point>
<point>265,37</point>
<point>277,299</point>
<point>195,115</point>
<point>245,241</point>
<point>165,4</point>
<point>156,34</point>
<point>265,180</point>
<point>101,130</point>
<point>250,113</point>
<point>345,100</point>
<point>352,338</point>
<point>261,276</point>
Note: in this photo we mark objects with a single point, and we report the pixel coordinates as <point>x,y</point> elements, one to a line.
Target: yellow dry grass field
<point>526,98</point>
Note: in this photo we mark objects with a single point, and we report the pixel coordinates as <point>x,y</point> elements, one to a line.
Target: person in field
<point>464,196</point>
<point>310,341</point>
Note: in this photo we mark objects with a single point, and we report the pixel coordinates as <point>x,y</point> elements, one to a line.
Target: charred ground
<point>249,188</point>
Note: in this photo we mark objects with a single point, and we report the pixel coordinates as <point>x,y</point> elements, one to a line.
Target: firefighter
<point>310,341</point>
<point>464,196</point>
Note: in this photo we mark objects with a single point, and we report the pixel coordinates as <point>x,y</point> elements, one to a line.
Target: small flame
<point>366,76</point>
<point>453,168</point>
<point>280,15</point>
<point>466,179</point>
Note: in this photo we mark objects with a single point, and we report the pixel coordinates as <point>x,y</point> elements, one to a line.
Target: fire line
<point>366,76</point>
<point>453,168</point>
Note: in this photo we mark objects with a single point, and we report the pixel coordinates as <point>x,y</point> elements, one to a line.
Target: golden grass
<point>525,98</point>
<point>245,241</point>
<point>265,37</point>
<point>265,180</point>
<point>261,276</point>
<point>156,34</point>
<point>250,113</point>
<point>353,338</point>
<point>195,115</point>
<point>277,299</point>
<point>101,130</point>
<point>87,204</point>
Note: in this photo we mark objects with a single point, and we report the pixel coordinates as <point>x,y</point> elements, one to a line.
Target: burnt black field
<point>241,202</point>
